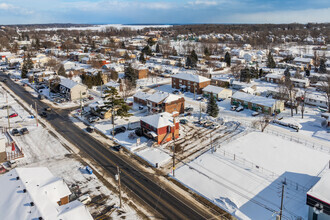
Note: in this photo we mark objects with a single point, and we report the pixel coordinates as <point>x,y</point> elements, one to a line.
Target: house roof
<point>141,95</point>
<point>321,190</point>
<point>165,97</point>
<point>42,188</point>
<point>213,89</point>
<point>274,76</point>
<point>191,77</point>
<point>159,120</point>
<point>260,100</point>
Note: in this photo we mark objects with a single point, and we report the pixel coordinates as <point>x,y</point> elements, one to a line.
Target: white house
<point>218,92</point>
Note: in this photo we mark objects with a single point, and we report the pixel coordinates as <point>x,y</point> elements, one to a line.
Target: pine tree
<point>29,63</point>
<point>322,68</point>
<point>61,71</point>
<point>86,50</point>
<point>142,59</point>
<point>191,60</point>
<point>24,71</point>
<point>270,61</point>
<point>130,75</point>
<point>245,75</point>
<point>174,52</point>
<point>287,72</point>
<point>228,59</point>
<point>157,48</point>
<point>206,52</point>
<point>151,42</point>
<point>212,106</point>
<point>146,50</point>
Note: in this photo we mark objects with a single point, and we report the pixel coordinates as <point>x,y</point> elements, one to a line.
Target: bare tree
<point>325,87</point>
<point>262,122</point>
<point>301,101</point>
<point>53,64</point>
<point>290,91</point>
<point>236,70</point>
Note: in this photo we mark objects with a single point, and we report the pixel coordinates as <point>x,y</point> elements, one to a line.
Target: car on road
<point>90,129</point>
<point>117,148</point>
<point>13,115</point>
<point>4,80</point>
<point>47,109</point>
<point>15,132</point>
<point>239,109</point>
<point>24,131</point>
<point>233,107</point>
<point>120,129</point>
<point>43,114</point>
<point>93,119</point>
<point>254,114</point>
<point>183,121</point>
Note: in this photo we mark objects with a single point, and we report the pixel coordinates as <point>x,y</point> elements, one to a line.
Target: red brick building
<point>190,82</point>
<point>161,127</point>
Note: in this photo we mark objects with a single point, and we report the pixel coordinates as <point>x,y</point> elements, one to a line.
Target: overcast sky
<point>163,11</point>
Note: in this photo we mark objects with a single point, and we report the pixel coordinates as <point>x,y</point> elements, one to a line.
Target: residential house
<point>318,199</point>
<point>140,70</point>
<point>73,90</point>
<point>301,83</point>
<point>68,65</point>
<point>257,103</point>
<point>190,82</point>
<point>218,92</point>
<point>165,102</point>
<point>35,193</point>
<point>303,61</point>
<point>274,78</point>
<point>160,127</point>
<point>141,98</point>
<point>316,99</point>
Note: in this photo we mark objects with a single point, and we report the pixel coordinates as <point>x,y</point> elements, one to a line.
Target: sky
<point>163,11</point>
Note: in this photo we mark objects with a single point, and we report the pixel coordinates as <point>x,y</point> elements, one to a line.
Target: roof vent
<point>32,203</point>
<point>17,178</point>
<point>40,218</point>
<point>24,190</point>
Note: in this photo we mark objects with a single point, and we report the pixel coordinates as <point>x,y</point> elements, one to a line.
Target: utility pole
<point>113,123</point>
<point>36,109</point>
<point>80,105</point>
<point>282,201</point>
<point>212,150</point>
<point>200,110</point>
<point>119,185</point>
<point>173,165</point>
<point>194,92</point>
<point>8,111</point>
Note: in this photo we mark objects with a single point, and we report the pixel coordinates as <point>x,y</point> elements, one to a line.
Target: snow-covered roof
<point>302,60</point>
<point>213,89</point>
<point>42,188</point>
<point>68,83</point>
<point>321,190</point>
<point>191,77</point>
<point>159,120</point>
<point>141,95</point>
<point>274,76</point>
<point>260,100</point>
<point>165,97</point>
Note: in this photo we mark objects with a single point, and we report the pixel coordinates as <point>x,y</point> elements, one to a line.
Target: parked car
<point>214,126</point>
<point>90,129</point>
<point>12,163</point>
<point>233,107</point>
<point>255,114</point>
<point>207,124</point>
<point>15,132</point>
<point>41,97</point>
<point>188,109</point>
<point>90,97</point>
<point>117,148</point>
<point>239,109</point>
<point>138,132</point>
<point>93,119</point>
<point>24,131</point>
<point>5,106</point>
<point>220,99</point>
<point>85,199</point>
<point>199,98</point>
<point>4,80</point>
<point>175,91</point>
<point>141,107</point>
<point>13,115</point>
<point>118,130</point>
<point>183,121</point>
<point>43,114</point>
<point>48,108</point>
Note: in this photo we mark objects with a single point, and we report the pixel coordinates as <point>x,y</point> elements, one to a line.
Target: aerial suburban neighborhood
<point>158,121</point>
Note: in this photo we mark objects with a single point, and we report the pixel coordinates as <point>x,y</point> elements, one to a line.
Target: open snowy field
<point>262,162</point>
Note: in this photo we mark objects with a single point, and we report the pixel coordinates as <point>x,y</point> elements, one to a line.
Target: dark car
<point>118,130</point>
<point>47,109</point>
<point>117,148</point>
<point>4,80</point>
<point>184,121</point>
<point>24,131</point>
<point>138,132</point>
<point>43,114</point>
<point>188,109</point>
<point>90,129</point>
<point>15,132</point>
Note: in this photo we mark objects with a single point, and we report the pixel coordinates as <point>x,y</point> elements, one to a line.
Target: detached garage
<point>218,92</point>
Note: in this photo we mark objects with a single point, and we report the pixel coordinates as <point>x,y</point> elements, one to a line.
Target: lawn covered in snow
<point>262,162</point>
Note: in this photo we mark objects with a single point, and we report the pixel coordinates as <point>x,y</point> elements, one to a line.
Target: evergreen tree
<point>115,104</point>
<point>287,73</point>
<point>322,68</point>
<point>270,61</point>
<point>37,44</point>
<point>308,72</point>
<point>114,75</point>
<point>228,59</point>
<point>206,52</point>
<point>151,42</point>
<point>61,71</point>
<point>245,75</point>
<point>86,50</point>
<point>126,56</point>
<point>157,48</point>
<point>130,75</point>
<point>261,73</point>
<point>212,106</point>
<point>191,60</point>
<point>24,71</point>
<point>146,50</point>
<point>174,52</point>
<point>142,59</point>
<point>29,63</point>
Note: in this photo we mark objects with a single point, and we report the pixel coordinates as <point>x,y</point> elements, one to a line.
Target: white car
<point>93,119</point>
<point>255,114</point>
<point>239,109</point>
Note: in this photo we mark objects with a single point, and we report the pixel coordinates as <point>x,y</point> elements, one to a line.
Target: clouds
<point>163,11</point>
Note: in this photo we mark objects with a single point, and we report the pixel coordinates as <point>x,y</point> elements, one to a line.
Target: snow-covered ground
<point>41,148</point>
<point>262,162</point>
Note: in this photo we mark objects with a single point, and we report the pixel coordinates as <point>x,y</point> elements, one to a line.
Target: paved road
<point>165,203</point>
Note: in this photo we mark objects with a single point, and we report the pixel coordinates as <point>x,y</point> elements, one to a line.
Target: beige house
<point>218,92</point>
<point>73,90</point>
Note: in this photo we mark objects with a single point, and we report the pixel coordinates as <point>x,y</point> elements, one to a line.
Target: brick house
<point>165,102</point>
<point>140,70</point>
<point>161,127</point>
<point>190,82</point>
